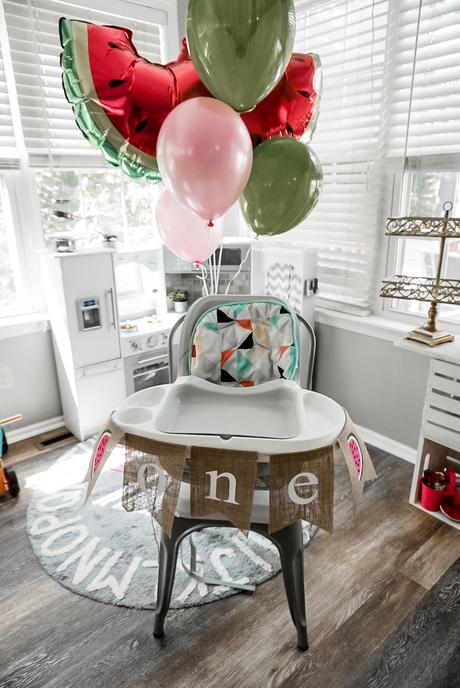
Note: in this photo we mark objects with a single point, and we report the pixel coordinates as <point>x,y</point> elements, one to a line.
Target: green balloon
<point>283,188</point>
<point>240,48</point>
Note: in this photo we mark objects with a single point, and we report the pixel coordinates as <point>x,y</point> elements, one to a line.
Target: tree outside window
<point>89,204</point>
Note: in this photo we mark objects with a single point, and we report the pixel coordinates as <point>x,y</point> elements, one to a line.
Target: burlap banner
<point>104,446</point>
<point>302,487</point>
<point>152,477</point>
<point>223,482</point>
<point>360,467</point>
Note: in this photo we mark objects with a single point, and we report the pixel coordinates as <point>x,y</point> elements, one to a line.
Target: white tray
<point>322,421</point>
<point>193,406</point>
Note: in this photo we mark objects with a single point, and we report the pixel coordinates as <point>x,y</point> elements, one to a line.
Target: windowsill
<point>20,325</point>
<point>378,326</point>
<point>369,325</point>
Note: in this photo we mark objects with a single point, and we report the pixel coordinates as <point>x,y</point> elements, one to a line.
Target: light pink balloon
<point>186,234</point>
<point>204,154</point>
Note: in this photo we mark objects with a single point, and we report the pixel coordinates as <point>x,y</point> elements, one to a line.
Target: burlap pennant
<point>104,446</point>
<point>302,487</point>
<point>223,482</point>
<point>152,476</point>
<point>359,463</point>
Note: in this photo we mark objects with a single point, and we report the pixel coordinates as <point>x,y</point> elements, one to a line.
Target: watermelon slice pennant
<point>99,64</point>
<point>100,450</point>
<point>356,454</point>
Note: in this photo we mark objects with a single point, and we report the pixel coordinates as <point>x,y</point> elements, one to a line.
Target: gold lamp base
<point>420,334</point>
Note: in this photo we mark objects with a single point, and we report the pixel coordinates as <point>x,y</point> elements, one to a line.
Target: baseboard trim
<point>34,429</point>
<point>402,451</point>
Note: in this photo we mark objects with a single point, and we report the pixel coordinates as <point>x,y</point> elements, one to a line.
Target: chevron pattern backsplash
<point>283,281</point>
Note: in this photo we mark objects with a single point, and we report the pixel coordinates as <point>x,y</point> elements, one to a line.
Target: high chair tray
<point>194,406</point>
<point>322,420</point>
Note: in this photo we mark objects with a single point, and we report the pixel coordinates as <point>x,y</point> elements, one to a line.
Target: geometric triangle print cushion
<point>244,344</point>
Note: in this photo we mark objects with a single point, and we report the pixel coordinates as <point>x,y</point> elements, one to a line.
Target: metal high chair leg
<point>289,542</point>
<point>169,549</point>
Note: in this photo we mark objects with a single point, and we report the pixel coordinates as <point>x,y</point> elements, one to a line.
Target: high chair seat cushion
<point>245,344</point>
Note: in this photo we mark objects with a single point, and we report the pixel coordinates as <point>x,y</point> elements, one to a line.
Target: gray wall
<point>35,393</point>
<point>381,386</point>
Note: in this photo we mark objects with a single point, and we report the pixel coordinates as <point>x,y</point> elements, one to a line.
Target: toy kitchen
<point>109,316</point>
<point>110,324</point>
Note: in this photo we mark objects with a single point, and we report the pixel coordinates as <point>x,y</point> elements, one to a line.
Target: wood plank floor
<point>361,583</point>
<point>30,448</point>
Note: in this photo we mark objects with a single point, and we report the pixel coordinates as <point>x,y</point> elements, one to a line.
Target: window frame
<point>397,201</point>
<point>19,198</point>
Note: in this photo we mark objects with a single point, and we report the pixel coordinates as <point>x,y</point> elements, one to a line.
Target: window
<point>74,190</point>
<point>88,205</point>
<point>352,39</point>
<point>425,195</point>
<point>50,133</point>
<point>11,287</point>
<point>391,74</point>
<point>424,137</point>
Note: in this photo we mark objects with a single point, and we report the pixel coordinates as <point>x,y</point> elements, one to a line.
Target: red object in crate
<point>453,488</point>
<point>433,489</point>
<point>438,487</point>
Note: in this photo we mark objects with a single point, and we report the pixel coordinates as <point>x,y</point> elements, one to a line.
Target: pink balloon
<point>204,154</point>
<point>186,234</point>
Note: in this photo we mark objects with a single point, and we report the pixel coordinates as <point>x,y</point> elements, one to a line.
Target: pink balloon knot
<point>210,223</point>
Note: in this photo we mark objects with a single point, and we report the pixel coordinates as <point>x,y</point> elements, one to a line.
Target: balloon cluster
<point>230,120</point>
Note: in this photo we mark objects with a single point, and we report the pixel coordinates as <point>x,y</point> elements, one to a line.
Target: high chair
<point>237,328</point>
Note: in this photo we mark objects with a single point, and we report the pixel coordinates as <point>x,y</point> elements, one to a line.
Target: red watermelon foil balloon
<point>119,99</point>
<point>292,108</point>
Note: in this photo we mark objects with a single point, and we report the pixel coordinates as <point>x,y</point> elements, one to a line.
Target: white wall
<point>181,16</point>
<point>35,391</point>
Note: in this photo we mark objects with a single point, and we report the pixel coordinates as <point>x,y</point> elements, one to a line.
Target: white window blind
<point>9,156</point>
<point>431,121</point>
<point>50,132</point>
<point>8,151</point>
<point>351,37</point>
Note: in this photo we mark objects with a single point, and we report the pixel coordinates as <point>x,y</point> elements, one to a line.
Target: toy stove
<point>144,348</point>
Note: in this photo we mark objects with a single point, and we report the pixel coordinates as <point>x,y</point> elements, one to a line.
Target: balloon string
<point>221,246</point>
<point>239,269</point>
<point>214,269</point>
<point>211,276</point>
<point>202,277</point>
<point>214,265</point>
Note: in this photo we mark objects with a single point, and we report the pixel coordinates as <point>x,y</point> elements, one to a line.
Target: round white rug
<point>101,551</point>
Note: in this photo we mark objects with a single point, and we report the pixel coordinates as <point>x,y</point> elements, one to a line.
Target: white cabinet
<point>439,442</point>
<point>100,389</point>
